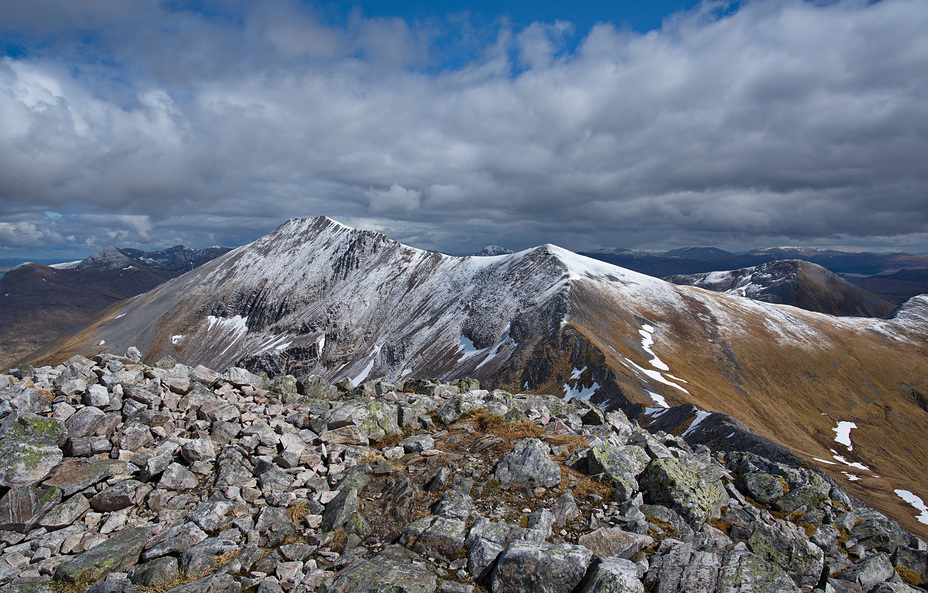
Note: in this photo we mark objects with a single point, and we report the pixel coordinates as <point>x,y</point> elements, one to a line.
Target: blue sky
<point>450,126</point>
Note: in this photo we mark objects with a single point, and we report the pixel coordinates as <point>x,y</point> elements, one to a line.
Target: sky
<point>453,125</point>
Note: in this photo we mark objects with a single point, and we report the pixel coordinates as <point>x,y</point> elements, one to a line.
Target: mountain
<point>793,282</point>
<point>700,253</point>
<point>493,250</point>
<point>38,303</point>
<point>896,287</point>
<point>697,260</point>
<point>314,296</point>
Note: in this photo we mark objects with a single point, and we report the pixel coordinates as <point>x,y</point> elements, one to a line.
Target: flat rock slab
<point>528,465</point>
<point>73,475</point>
<point>24,506</point>
<point>117,554</point>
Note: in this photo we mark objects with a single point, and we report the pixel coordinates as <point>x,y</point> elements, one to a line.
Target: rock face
<point>180,478</point>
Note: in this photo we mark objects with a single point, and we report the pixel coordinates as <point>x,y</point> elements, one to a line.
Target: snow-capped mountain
<point>314,296</point>
<point>792,282</point>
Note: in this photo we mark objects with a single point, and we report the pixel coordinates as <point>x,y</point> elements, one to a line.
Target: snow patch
<point>854,464</point>
<point>916,502</point>
<point>851,477</point>
<point>370,366</point>
<point>647,340</point>
<point>700,416</point>
<point>467,346</point>
<point>102,342</point>
<point>843,434</point>
<point>176,339</point>
<point>658,399</point>
<point>824,461</point>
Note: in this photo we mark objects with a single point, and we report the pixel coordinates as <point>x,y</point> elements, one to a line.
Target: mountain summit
<point>316,297</point>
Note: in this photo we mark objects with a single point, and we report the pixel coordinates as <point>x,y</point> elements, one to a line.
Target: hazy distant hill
<point>39,303</point>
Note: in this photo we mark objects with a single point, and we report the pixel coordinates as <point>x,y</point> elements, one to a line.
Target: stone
<point>394,570</point>
<point>614,575</point>
<point>211,516</point>
<point>74,475</point>
<point>29,449</point>
<point>155,573</point>
<point>179,478</point>
<point>339,509</point>
<point>790,550</point>
<point>24,506</point>
<point>762,487</point>
<point>173,541</point>
<point>614,542</point>
<point>530,567</point>
<point>418,443</point>
<point>443,536</point>
<point>66,513</point>
<point>116,553</point>
<point>869,572</point>
<point>198,450</point>
<point>528,465</point>
<point>85,422</point>
<point>114,498</point>
<point>669,481</point>
<point>741,568</point>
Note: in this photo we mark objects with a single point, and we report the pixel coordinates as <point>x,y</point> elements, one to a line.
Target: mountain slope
<point>793,282</point>
<point>39,303</point>
<point>317,297</point>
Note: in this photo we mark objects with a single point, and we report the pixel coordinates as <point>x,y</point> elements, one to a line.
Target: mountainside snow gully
<point>316,297</point>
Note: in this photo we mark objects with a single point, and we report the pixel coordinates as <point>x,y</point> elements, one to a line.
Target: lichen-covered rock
<point>790,550</point>
<point>869,572</point>
<point>744,572</point>
<point>671,482</point>
<point>528,465</point>
<point>116,554</point>
<point>623,464</point>
<point>530,567</point>
<point>395,569</point>
<point>22,507</point>
<point>762,487</point>
<point>614,542</point>
<point>614,575</point>
<point>74,475</point>
<point>29,448</point>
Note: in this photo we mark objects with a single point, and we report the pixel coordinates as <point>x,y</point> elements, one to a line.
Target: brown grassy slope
<point>792,390</point>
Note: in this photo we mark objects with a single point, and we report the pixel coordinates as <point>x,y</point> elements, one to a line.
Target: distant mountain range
<point>875,272</point>
<point>38,303</point>
<point>316,297</point>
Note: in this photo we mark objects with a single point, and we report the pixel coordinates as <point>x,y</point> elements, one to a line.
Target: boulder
<point>528,465</point>
<point>116,553</point>
<point>537,567</point>
<point>614,575</point>
<point>673,483</point>
<point>29,448</point>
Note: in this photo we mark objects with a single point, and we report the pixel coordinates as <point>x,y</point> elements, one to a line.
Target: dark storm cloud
<point>784,121</point>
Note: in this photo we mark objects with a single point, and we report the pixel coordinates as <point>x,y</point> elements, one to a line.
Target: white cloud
<point>785,120</point>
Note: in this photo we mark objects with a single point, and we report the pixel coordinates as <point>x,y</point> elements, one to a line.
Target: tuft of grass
<point>910,577</point>
<point>181,579</point>
<point>63,587</point>
<point>298,512</point>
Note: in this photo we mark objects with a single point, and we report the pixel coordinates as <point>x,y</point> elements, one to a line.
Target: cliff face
<point>127,477</point>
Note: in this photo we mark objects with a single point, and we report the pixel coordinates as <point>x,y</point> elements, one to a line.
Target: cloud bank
<point>773,122</point>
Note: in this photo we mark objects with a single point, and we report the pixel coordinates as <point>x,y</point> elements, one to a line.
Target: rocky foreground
<point>117,476</point>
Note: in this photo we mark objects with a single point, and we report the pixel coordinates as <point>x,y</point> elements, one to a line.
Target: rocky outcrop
<point>166,477</point>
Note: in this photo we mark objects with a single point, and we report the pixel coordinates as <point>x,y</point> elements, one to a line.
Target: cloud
<point>780,121</point>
